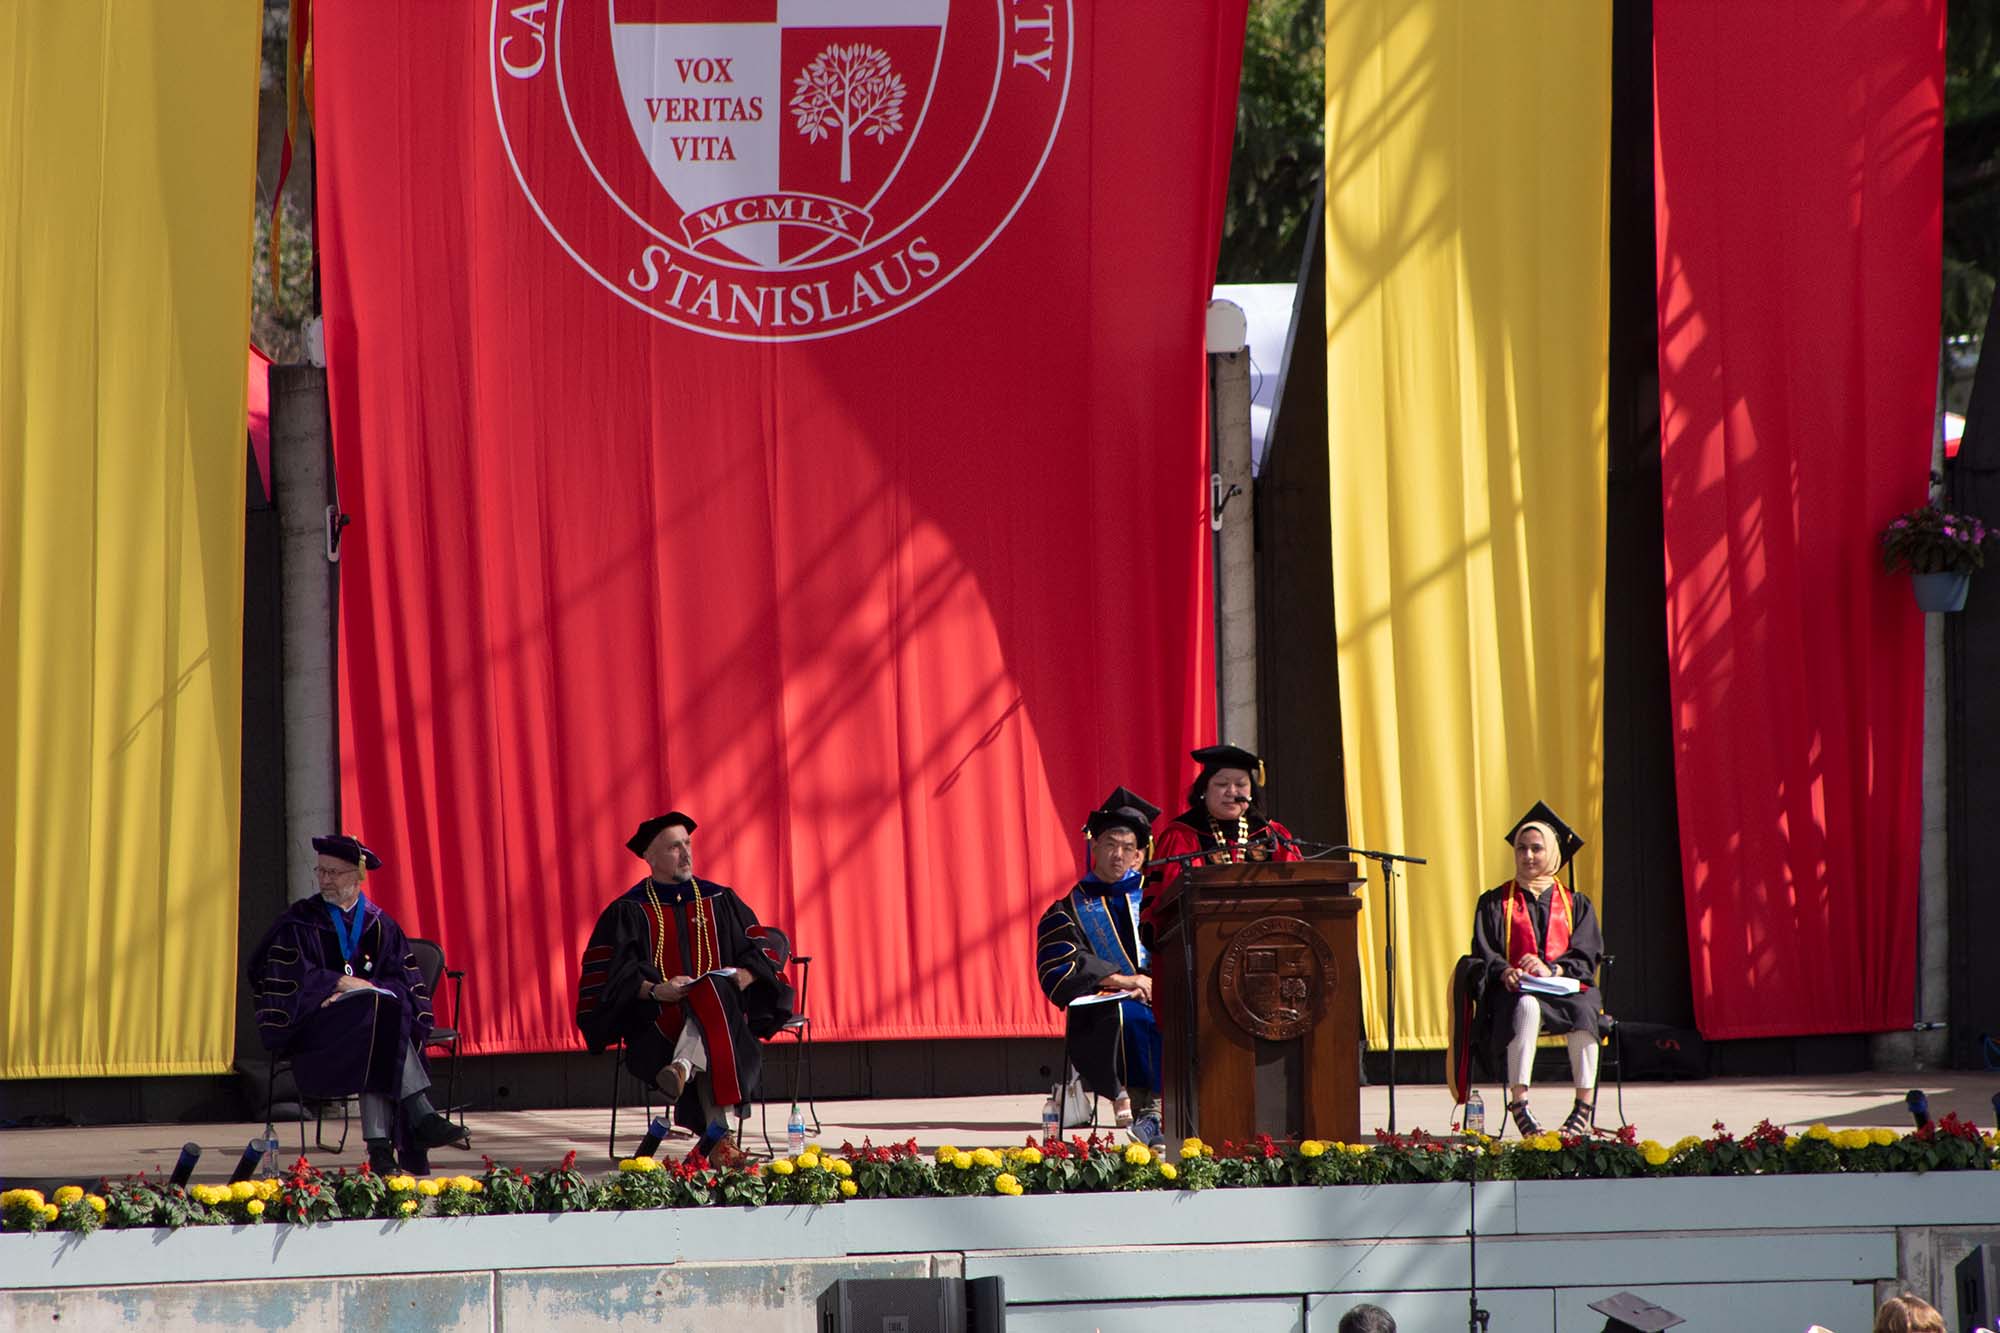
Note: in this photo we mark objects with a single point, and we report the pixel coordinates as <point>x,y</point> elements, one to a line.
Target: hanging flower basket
<point>1940,549</point>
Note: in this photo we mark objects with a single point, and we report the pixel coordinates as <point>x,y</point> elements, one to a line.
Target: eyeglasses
<point>324,872</point>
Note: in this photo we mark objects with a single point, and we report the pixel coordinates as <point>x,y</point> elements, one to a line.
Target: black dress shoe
<point>382,1157</point>
<point>437,1131</point>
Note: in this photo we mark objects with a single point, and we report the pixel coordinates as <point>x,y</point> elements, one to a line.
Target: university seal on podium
<point>776,170</point>
<point>1275,976</point>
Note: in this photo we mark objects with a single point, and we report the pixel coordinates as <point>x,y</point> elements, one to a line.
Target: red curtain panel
<point>1797,176</point>
<point>788,413</point>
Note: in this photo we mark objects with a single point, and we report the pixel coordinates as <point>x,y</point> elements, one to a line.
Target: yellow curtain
<point>128,131</point>
<point>1467,169</point>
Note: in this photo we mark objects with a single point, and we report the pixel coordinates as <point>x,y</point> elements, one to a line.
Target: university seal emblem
<point>1276,976</point>
<point>772,170</point>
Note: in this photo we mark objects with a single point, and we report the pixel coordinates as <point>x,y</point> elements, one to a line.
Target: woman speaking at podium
<point>1223,824</point>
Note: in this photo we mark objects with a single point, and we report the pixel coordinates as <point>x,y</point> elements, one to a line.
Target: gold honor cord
<point>702,942</point>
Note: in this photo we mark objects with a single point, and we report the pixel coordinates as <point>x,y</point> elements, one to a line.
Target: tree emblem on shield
<point>854,90</point>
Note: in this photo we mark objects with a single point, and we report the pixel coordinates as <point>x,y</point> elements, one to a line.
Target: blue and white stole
<point>1093,915</point>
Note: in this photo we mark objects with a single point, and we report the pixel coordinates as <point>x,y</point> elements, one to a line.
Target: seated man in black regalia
<point>1530,936</point>
<point>338,994</point>
<point>1089,944</point>
<point>680,970</point>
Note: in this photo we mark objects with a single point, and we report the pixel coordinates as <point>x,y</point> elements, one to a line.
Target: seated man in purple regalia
<point>679,969</point>
<point>339,995</point>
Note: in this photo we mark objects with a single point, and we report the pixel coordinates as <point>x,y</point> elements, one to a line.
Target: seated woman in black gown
<point>1525,933</point>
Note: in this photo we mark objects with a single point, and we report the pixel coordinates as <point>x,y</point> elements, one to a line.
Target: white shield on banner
<point>775,135</point>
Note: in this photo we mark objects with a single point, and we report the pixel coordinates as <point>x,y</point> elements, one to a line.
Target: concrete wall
<point>1726,1254</point>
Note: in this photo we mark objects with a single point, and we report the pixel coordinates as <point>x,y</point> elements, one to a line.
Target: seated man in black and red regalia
<point>680,970</point>
<point>339,995</point>
<point>1224,818</point>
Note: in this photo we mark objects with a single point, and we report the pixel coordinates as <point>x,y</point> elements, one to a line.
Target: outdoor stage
<point>534,1139</point>
<point>1727,1253</point>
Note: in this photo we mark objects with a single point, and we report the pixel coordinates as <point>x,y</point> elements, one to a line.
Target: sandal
<point>1121,1111</point>
<point>1524,1119</point>
<point>1580,1117</point>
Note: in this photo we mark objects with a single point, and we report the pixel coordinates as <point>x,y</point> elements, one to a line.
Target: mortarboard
<point>1124,809</point>
<point>650,830</point>
<point>1568,841</point>
<point>344,847</point>
<point>1626,1313</point>
<point>1213,757</point>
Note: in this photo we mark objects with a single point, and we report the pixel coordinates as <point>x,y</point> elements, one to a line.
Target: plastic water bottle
<point>1475,1113</point>
<point>1051,1120</point>
<point>795,1132</point>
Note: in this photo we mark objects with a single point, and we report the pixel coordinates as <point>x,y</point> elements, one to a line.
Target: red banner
<point>790,413</point>
<point>1799,156</point>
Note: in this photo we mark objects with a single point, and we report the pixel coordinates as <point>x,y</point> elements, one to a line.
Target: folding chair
<point>445,1037</point>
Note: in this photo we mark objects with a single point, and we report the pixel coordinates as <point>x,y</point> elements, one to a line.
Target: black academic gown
<point>356,1043</point>
<point>699,917</point>
<point>1560,1013</point>
<point>1114,1046</point>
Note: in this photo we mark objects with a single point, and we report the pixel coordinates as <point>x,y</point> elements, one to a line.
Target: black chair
<point>799,1028</point>
<point>284,1062</point>
<point>617,1053</point>
<point>429,958</point>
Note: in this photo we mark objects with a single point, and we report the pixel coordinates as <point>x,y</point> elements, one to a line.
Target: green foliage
<point>1276,160</point>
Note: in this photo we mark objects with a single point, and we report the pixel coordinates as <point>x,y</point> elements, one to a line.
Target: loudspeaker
<point>1654,1050</point>
<point>1978,1283</point>
<point>914,1305</point>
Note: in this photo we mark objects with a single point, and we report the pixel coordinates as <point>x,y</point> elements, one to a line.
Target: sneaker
<point>1146,1130</point>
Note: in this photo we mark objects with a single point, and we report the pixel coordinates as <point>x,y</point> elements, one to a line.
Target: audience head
<point>1367,1319</point>
<point>1908,1314</point>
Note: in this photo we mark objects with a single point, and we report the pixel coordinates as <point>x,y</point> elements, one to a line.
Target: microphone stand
<point>1475,1318</point>
<point>1388,860</point>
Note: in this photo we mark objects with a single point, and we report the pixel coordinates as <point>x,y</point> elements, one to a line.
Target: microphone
<point>184,1168</point>
<point>1920,1106</point>
<point>655,1134</point>
<point>246,1165</point>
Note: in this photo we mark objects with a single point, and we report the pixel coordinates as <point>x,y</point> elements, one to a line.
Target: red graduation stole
<point>1521,927</point>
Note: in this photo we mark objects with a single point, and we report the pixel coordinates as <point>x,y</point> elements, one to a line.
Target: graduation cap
<point>1213,757</point>
<point>1626,1313</point>
<point>343,847</point>
<point>650,830</point>
<point>1124,809</point>
<point>1568,841</point>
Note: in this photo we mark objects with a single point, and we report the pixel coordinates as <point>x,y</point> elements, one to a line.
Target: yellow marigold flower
<point>782,1167</point>
<point>839,1167</point>
<point>270,1187</point>
<point>409,1207</point>
<point>1851,1138</point>
<point>254,1207</point>
<point>1791,1142</point>
<point>1881,1138</point>
<point>1169,1171</point>
<point>242,1190</point>
<point>50,1212</point>
<point>1005,1183</point>
<point>625,1164</point>
<point>1311,1148</point>
<point>1193,1147</point>
<point>1818,1131</point>
<point>985,1157</point>
<point>31,1197</point>
<point>963,1161</point>
<point>1138,1154</point>
<point>1654,1153</point>
<point>808,1160</point>
<point>1032,1156</point>
<point>1355,1149</point>
<point>946,1153</point>
<point>96,1202</point>
<point>430,1189</point>
<point>68,1195</point>
<point>645,1163</point>
<point>203,1194</point>
<point>848,1189</point>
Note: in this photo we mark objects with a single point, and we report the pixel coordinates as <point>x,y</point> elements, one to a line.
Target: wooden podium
<point>1271,1042</point>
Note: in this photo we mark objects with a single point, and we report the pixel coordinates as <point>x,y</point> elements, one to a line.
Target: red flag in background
<point>1798,206</point>
<point>788,413</point>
